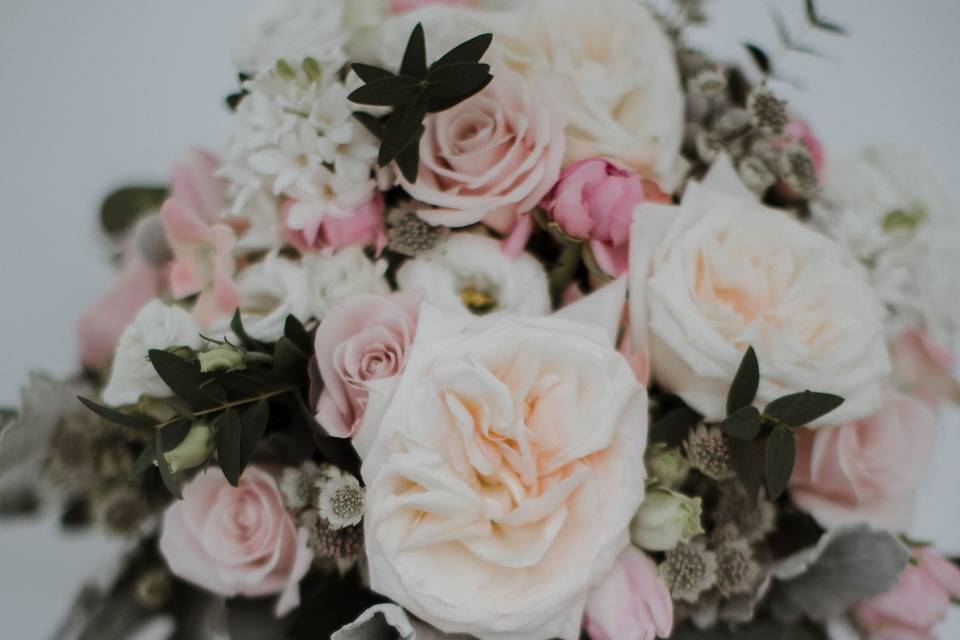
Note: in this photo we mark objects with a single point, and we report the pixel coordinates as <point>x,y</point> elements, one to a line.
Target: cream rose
<point>502,471</point>
<point>721,272</point>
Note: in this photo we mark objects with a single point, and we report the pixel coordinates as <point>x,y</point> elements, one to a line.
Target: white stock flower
<point>470,271</point>
<point>887,207</point>
<point>720,272</point>
<point>157,326</point>
<point>270,290</point>
<point>332,278</point>
<point>502,469</point>
<point>290,30</point>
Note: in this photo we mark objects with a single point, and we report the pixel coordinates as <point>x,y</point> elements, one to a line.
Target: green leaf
<point>781,452</point>
<point>747,463</point>
<point>171,435</point>
<point>253,423</point>
<point>289,362</point>
<point>146,459</point>
<point>121,209</point>
<point>415,57</point>
<point>743,424</point>
<point>236,326</point>
<point>408,161</point>
<point>370,73</point>
<point>388,92</point>
<point>118,417</point>
<point>470,51</point>
<point>458,80</point>
<point>743,389</point>
<point>564,269</point>
<point>371,123</point>
<point>228,445</point>
<point>760,58</point>
<point>402,126</point>
<point>436,105</point>
<point>199,390</point>
<point>590,262</point>
<point>798,409</point>
<point>170,480</point>
<point>673,427</point>
<point>294,330</point>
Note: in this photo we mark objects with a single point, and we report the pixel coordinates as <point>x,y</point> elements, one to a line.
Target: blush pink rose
<point>360,341</point>
<point>916,604</point>
<point>236,541</point>
<point>631,603</point>
<point>869,470</point>
<point>202,245</point>
<point>594,200</point>
<point>101,325</point>
<point>490,158</point>
<point>361,226</point>
<point>923,366</point>
<point>402,6</point>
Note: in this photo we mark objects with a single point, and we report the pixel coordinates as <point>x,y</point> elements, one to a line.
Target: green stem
<point>234,403</point>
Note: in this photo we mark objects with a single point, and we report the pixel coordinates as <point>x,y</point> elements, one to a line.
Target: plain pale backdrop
<point>103,92</point>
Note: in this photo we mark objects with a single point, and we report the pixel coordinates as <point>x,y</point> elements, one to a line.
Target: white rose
<point>470,271</point>
<point>332,278</point>
<point>607,65</point>
<point>292,30</point>
<point>502,469</point>
<point>721,272</point>
<point>887,207</point>
<point>157,326</point>
<point>271,290</point>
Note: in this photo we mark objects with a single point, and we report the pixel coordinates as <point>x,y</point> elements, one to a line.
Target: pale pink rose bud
<point>631,603</point>
<point>916,604</point>
<point>594,200</point>
<point>333,227</point>
<point>868,470</point>
<point>360,341</point>
<point>236,541</point>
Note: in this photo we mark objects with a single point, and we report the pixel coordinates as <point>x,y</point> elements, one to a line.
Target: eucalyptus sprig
<point>764,442</point>
<point>414,92</point>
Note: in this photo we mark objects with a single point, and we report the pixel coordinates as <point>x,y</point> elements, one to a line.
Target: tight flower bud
<point>194,450</point>
<point>666,465</point>
<point>223,357</point>
<point>665,519</point>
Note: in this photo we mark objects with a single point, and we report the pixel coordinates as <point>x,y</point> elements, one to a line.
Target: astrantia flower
<point>753,519</point>
<point>708,452</point>
<point>340,498</point>
<point>298,485</point>
<point>334,278</point>
<point>737,571</point>
<point>471,272</point>
<point>290,29</point>
<point>689,570</point>
<point>888,209</point>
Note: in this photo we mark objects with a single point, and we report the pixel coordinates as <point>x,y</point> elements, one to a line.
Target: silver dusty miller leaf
<point>848,565</point>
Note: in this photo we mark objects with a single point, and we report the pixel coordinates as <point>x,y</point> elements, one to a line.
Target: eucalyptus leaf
<point>185,379</point>
<point>388,92</point>
<point>460,80</point>
<point>747,463</point>
<point>289,362</point>
<point>146,459</point>
<point>294,330</point>
<point>228,445</point>
<point>408,161</point>
<point>781,453</point>
<point>470,51</point>
<point>370,122</point>
<point>435,105</point>
<point>170,480</point>
<point>236,325</point>
<point>743,389</point>
<point>118,417</point>
<point>798,409</point>
<point>403,125</point>
<point>673,427</point>
<point>848,565</point>
<point>743,424</point>
<point>370,73</point>
<point>415,56</point>
<point>253,423</point>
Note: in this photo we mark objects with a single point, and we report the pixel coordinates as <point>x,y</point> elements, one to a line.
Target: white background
<point>98,93</point>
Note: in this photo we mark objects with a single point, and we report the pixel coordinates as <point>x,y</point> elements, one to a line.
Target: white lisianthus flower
<point>157,326</point>
<point>721,272</point>
<point>332,278</point>
<point>471,272</point>
<point>270,290</point>
<point>290,30</point>
<point>665,519</point>
<point>886,206</point>
<point>502,469</point>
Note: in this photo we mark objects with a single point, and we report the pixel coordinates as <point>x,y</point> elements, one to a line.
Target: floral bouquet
<point>509,321</point>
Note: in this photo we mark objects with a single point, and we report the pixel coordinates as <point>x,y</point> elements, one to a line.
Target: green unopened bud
<point>194,450</point>
<point>182,352</point>
<point>284,70</point>
<point>312,68</point>
<point>665,519</point>
<point>667,466</point>
<point>223,357</point>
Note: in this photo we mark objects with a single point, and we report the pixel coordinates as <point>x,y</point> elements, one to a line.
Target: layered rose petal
<point>236,540</point>
<point>631,603</point>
